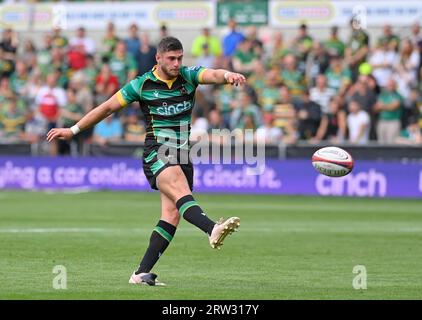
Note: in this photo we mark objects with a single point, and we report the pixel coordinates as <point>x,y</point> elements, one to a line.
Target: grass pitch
<point>286,247</point>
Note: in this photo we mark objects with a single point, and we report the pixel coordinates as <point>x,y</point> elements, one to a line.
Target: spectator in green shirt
<point>388,106</point>
<point>389,37</point>
<point>292,77</point>
<point>122,64</point>
<point>357,48</point>
<point>302,43</point>
<point>109,41</point>
<point>59,40</point>
<point>270,95</point>
<point>12,120</point>
<point>334,46</point>
<point>279,50</point>
<point>19,78</point>
<point>244,59</point>
<point>338,76</point>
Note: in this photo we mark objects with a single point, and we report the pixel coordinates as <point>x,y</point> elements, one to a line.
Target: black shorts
<point>155,160</point>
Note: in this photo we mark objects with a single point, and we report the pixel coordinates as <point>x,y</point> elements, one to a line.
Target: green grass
<point>287,247</point>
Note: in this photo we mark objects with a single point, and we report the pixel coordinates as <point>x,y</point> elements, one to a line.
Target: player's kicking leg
<point>173,183</point>
<point>160,239</point>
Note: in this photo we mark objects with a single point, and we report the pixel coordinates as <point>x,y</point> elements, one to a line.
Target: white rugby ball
<point>332,161</point>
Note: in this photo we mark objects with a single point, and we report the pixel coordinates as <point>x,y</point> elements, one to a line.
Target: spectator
<point>59,65</point>
<point>357,47</point>
<point>206,60</point>
<point>134,129</point>
<point>268,132</point>
<point>406,68</point>
<point>382,61</point>
<point>110,40</point>
<point>334,45</point>
<point>411,135</point>
<point>12,120</point>
<point>278,51</point>
<point>50,99</point>
<point>212,42</point>
<point>215,121</point>
<point>199,127</point>
<point>244,59</point>
<point>145,56</point>
<point>333,124</point>
<point>363,94</point>
<point>338,76</point>
<point>388,106</point>
<point>308,116</point>
<point>132,42</point>
<point>29,55</point>
<point>83,94</point>
<point>232,39</point>
<point>77,56</point>
<point>321,94</point>
<point>122,64</point>
<point>416,35</point>
<point>106,84</point>
<point>80,40</point>
<point>19,78</point>
<point>6,91</point>
<point>257,47</point>
<point>31,89</point>
<point>8,46</point>
<point>317,62</point>
<point>224,98</point>
<point>392,40</point>
<point>411,110</point>
<point>270,94</point>
<point>358,124</point>
<point>108,130</point>
<point>164,31</point>
<point>302,44</point>
<point>70,114</point>
<point>258,77</point>
<point>285,115</point>
<point>90,71</point>
<point>59,40</point>
<point>293,78</point>
<point>244,108</point>
<point>44,55</point>
<point>34,132</point>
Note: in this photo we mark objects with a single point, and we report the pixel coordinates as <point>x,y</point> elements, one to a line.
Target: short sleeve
<point>193,74</point>
<point>130,92</point>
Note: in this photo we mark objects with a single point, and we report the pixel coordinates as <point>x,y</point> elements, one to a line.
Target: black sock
<point>192,212</point>
<point>160,238</point>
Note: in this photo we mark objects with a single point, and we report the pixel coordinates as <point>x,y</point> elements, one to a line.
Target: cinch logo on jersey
<point>173,109</point>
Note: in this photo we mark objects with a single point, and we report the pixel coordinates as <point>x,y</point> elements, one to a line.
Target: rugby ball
<point>332,161</point>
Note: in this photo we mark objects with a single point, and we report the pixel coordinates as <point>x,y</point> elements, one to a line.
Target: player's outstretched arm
<point>221,76</point>
<point>90,119</point>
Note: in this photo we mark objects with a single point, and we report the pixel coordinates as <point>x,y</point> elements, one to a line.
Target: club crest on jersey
<point>183,90</point>
<point>156,94</point>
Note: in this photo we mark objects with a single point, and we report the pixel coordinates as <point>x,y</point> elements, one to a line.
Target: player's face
<point>170,62</point>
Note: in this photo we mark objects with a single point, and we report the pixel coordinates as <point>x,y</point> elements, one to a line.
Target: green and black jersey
<point>166,104</point>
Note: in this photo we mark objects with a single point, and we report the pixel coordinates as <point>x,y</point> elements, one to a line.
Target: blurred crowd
<point>347,88</point>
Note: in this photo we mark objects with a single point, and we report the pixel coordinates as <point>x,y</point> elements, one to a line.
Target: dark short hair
<point>169,44</point>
